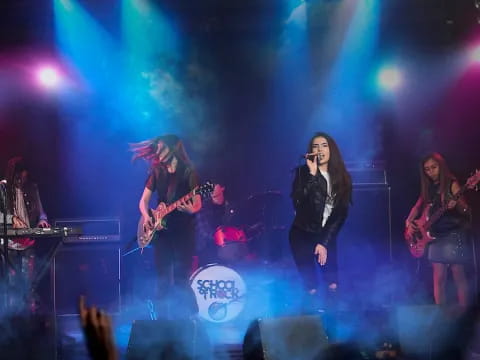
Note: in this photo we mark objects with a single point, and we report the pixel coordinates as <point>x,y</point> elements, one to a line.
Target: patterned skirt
<point>451,248</point>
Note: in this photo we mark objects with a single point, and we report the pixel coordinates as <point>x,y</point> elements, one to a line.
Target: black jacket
<point>33,204</point>
<point>309,194</point>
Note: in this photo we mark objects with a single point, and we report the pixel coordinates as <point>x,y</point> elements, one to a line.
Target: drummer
<point>212,215</point>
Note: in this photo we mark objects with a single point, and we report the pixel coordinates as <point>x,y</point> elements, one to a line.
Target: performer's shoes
<point>312,304</point>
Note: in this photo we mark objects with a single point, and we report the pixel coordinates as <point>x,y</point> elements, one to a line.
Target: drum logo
<point>220,293</point>
<point>218,289</point>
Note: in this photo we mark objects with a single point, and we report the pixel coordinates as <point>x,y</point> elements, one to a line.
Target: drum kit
<point>220,290</point>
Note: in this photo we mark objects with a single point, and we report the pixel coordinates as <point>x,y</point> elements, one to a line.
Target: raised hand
<point>97,329</point>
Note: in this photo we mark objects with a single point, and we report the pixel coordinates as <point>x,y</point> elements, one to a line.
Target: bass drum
<point>231,244</point>
<point>220,292</point>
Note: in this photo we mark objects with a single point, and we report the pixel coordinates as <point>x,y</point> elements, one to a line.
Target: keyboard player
<point>24,210</point>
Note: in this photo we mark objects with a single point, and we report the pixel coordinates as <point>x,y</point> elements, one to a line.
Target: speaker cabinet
<point>168,339</point>
<point>92,270</point>
<point>364,248</point>
<point>301,337</point>
<point>27,337</point>
<point>428,331</point>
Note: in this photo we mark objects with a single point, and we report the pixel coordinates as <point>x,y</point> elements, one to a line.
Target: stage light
<point>48,77</point>
<point>389,78</point>
<point>475,55</point>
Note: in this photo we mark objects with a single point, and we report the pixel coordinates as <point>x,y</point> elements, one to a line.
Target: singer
<point>321,194</point>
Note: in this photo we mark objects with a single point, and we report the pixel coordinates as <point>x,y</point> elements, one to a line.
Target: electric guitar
<point>145,233</point>
<point>417,241</point>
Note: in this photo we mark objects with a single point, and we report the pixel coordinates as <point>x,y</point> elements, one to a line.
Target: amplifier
<point>93,229</point>
<point>92,270</point>
<point>367,172</point>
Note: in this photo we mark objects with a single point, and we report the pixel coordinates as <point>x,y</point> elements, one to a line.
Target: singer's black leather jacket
<point>309,194</point>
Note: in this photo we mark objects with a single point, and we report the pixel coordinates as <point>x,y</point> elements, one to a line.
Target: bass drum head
<point>220,292</point>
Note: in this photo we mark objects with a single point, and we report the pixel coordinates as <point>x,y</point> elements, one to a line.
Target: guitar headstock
<point>205,189</point>
<point>472,181</point>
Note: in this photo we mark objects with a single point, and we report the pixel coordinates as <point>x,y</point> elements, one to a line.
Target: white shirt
<point>327,210</point>
<point>20,208</point>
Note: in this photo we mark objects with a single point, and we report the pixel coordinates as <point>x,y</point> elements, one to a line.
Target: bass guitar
<point>145,233</point>
<point>418,241</point>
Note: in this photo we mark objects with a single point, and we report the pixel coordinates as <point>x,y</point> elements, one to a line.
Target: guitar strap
<point>172,187</point>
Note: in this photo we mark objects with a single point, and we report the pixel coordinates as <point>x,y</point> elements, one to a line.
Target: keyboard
<point>43,232</point>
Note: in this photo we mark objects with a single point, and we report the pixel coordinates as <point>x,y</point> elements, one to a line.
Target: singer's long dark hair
<point>341,180</point>
<point>15,166</point>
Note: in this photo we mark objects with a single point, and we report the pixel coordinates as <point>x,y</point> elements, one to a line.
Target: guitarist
<point>449,249</point>
<point>171,176</point>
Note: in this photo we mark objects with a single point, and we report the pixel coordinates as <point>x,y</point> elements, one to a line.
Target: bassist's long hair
<point>445,177</point>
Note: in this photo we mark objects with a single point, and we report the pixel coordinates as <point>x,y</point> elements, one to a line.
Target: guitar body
<point>144,233</point>
<point>418,241</point>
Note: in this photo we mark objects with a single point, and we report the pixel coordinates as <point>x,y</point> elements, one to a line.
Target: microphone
<point>312,156</point>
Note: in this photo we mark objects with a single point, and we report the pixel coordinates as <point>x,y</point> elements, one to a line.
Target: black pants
<point>303,245</point>
<point>173,252</point>
<point>21,271</point>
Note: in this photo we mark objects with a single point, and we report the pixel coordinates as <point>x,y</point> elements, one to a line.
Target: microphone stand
<point>5,261</point>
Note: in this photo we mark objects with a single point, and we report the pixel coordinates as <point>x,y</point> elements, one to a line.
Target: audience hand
<point>97,330</point>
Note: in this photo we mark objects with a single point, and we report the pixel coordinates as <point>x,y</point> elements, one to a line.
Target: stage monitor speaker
<point>27,337</point>
<point>92,270</point>
<point>428,331</point>
<point>301,337</point>
<point>168,339</point>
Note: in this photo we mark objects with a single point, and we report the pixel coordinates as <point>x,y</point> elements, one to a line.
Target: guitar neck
<point>437,214</point>
<point>173,206</point>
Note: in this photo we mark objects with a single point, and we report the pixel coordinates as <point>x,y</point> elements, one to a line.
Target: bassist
<point>449,248</point>
<point>171,175</point>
